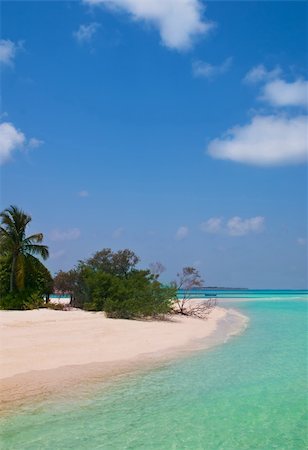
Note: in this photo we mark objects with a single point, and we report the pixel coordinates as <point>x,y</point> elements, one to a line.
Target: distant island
<point>218,288</point>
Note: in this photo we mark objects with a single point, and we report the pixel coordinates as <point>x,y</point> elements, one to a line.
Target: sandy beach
<point>44,350</point>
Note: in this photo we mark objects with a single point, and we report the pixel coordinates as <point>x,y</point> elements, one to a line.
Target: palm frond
<point>34,238</point>
<point>35,249</point>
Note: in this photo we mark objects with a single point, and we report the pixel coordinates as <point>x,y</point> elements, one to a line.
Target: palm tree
<point>16,246</point>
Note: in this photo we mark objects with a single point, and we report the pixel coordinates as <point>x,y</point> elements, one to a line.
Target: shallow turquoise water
<point>249,393</point>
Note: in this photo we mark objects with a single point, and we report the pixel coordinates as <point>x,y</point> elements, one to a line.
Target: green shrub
<point>138,296</point>
<point>98,286</point>
<point>21,300</point>
<point>34,301</point>
<point>56,306</point>
<point>110,282</point>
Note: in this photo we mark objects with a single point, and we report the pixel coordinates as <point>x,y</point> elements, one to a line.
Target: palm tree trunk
<point>12,274</point>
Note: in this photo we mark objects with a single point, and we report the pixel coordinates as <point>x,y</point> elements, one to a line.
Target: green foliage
<point>70,283</point>
<point>56,306</point>
<point>38,282</point>
<point>25,299</point>
<point>4,275</point>
<point>140,295</point>
<point>37,277</point>
<point>120,263</point>
<point>110,282</point>
<point>24,279</point>
<point>98,286</point>
<point>33,301</point>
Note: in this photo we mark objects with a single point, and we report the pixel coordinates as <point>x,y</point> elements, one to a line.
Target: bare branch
<point>156,269</point>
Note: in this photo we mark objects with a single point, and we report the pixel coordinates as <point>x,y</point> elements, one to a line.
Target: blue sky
<point>177,129</point>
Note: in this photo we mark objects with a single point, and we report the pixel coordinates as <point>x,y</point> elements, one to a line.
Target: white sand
<point>45,349</point>
<point>47,339</point>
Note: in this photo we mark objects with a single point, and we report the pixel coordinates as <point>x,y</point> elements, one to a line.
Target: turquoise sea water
<point>249,393</point>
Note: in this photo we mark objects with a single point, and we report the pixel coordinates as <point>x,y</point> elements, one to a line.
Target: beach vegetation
<point>187,280</point>
<point>139,295</point>
<point>156,269</point>
<point>67,283</point>
<point>110,281</point>
<point>24,278</point>
<point>120,263</point>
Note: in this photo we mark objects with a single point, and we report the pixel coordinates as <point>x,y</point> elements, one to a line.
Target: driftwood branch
<point>194,307</point>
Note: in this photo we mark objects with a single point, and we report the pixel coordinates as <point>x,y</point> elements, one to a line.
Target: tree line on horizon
<point>107,281</point>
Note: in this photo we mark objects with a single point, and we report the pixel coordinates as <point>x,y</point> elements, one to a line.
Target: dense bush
<point>139,295</point>
<point>110,282</point>
<point>38,282</point>
<point>25,299</point>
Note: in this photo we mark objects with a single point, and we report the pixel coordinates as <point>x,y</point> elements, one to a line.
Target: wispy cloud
<point>206,70</point>
<point>57,254</point>
<point>181,233</point>
<point>261,73</point>
<point>118,233</point>
<point>35,143</point>
<point>179,21</point>
<point>83,194</point>
<point>301,241</point>
<point>212,225</point>
<point>85,33</point>
<point>235,226</point>
<point>65,235</point>
<point>8,50</point>
<point>265,141</point>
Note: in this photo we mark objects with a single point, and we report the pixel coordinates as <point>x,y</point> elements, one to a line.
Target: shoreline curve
<point>49,353</point>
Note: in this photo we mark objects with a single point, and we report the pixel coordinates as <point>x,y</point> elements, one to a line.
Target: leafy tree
<point>66,282</point>
<point>115,263</point>
<point>110,282</point>
<point>37,277</point>
<point>38,282</point>
<point>98,286</point>
<point>17,247</point>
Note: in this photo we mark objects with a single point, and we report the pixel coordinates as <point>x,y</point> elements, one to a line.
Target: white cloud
<point>206,70</point>
<point>260,73</point>
<point>85,33</point>
<point>8,50</point>
<point>10,140</point>
<point>212,225</point>
<point>302,241</point>
<point>181,233</point>
<point>236,226</point>
<point>280,93</point>
<point>179,21</point>
<point>275,90</point>
<point>68,235</point>
<point>83,194</point>
<point>118,233</point>
<point>266,141</point>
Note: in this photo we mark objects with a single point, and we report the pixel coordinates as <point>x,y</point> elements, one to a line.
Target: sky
<point>175,128</point>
